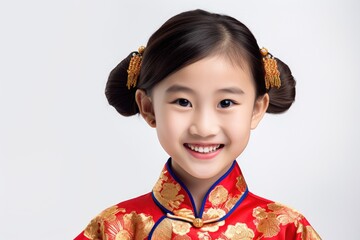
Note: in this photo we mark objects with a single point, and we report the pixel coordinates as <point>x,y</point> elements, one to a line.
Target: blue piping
<point>168,166</point>
<point>213,186</point>
<point>155,225</point>
<point>159,204</point>
<point>236,205</point>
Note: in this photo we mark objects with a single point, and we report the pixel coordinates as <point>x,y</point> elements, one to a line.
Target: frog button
<point>198,222</point>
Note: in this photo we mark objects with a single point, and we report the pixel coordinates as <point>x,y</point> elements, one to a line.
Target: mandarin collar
<point>175,200</point>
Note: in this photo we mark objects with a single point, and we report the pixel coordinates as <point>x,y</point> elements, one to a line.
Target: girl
<point>204,84</point>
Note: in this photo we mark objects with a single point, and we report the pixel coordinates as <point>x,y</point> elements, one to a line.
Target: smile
<point>203,148</point>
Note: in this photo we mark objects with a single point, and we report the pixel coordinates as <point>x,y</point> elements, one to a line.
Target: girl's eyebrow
<point>178,88</point>
<point>233,90</point>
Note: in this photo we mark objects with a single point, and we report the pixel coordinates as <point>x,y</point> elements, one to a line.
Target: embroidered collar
<point>172,196</point>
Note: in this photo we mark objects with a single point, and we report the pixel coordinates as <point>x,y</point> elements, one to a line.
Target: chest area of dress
<point>233,227</point>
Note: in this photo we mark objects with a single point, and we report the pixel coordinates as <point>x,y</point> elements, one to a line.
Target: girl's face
<point>203,115</point>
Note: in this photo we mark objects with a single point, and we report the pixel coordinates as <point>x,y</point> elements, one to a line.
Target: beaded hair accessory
<point>134,68</point>
<point>272,74</point>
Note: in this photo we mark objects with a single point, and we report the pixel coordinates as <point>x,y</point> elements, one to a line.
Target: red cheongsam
<point>228,211</point>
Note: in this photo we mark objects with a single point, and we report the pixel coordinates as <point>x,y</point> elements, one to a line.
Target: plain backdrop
<point>65,154</point>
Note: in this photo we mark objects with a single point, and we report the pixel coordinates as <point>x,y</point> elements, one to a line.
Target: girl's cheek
<point>180,121</point>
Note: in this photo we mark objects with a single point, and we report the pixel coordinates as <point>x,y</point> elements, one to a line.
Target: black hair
<point>189,37</point>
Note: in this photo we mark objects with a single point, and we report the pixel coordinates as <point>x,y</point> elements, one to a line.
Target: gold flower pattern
<point>109,226</point>
<point>285,215</point>
<point>163,231</point>
<point>218,195</point>
<point>266,222</point>
<point>95,228</point>
<point>230,203</point>
<point>167,193</point>
<point>204,236</point>
<point>264,219</point>
<point>181,228</point>
<point>269,222</point>
<point>309,234</point>
<point>130,226</point>
<point>213,213</point>
<point>185,212</point>
<point>240,183</point>
<point>239,231</point>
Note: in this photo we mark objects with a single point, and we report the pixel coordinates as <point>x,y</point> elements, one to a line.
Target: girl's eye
<point>226,103</point>
<point>183,102</point>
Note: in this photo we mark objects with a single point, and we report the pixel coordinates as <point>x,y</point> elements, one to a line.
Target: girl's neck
<point>197,187</point>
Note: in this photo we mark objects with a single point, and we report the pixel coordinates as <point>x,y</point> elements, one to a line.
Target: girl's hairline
<point>242,64</point>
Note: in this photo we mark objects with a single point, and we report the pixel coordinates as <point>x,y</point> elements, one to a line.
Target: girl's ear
<point>260,107</point>
<point>145,107</point>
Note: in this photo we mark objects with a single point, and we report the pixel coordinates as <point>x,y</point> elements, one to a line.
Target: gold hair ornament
<point>272,74</point>
<point>134,68</point>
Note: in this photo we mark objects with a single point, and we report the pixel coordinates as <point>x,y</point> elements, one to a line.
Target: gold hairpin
<point>134,67</point>
<point>272,74</point>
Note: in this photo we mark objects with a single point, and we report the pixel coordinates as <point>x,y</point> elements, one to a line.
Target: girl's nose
<point>204,124</point>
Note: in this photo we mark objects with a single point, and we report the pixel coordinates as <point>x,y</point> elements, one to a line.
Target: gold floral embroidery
<point>308,233</point>
<point>241,184</point>
<point>168,193</point>
<point>230,203</point>
<point>140,222</point>
<point>184,212</point>
<point>116,229</point>
<point>109,214</point>
<point>266,222</point>
<point>218,195</point>
<point>230,200</point>
<point>95,228</point>
<point>213,227</point>
<point>123,235</point>
<point>269,222</point>
<point>158,184</point>
<point>213,213</point>
<point>284,214</point>
<point>204,236</point>
<point>163,230</point>
<point>180,227</point>
<point>130,226</point>
<point>239,232</point>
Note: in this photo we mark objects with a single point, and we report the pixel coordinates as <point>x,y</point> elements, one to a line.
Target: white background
<point>65,154</point>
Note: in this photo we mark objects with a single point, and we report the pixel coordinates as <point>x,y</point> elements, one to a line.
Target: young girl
<point>204,84</point>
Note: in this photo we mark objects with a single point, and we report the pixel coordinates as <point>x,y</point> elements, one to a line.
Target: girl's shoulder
<point>122,217</point>
<point>271,218</point>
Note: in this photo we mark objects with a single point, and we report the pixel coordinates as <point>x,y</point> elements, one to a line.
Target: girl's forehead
<point>212,67</point>
<point>209,73</point>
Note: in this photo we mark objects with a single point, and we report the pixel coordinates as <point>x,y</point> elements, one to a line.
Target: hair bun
<point>116,91</point>
<point>282,98</point>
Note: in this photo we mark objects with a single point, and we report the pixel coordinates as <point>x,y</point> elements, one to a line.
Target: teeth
<point>207,149</point>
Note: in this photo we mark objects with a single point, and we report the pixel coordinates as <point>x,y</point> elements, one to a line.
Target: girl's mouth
<point>204,149</point>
